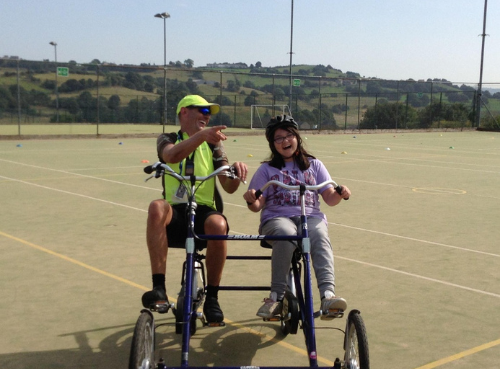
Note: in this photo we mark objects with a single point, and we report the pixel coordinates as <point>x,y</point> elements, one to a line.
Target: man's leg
<point>159,216</point>
<point>215,224</point>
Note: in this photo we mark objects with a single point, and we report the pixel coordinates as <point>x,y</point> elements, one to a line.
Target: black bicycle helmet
<point>280,121</point>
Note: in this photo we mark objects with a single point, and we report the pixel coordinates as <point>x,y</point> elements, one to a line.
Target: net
<point>261,114</point>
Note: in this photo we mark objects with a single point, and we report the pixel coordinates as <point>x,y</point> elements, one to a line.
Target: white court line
<point>73,193</point>
<point>416,240</point>
<point>79,175</point>
<point>420,277</point>
<point>398,162</point>
<point>340,257</point>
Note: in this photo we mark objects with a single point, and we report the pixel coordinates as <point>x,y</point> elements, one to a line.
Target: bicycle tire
<point>143,341</point>
<point>290,306</point>
<point>179,315</point>
<point>356,349</point>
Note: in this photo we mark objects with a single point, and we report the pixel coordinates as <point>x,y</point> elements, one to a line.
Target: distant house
<point>227,65</point>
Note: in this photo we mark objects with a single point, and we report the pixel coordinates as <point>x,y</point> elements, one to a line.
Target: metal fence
<point>97,96</point>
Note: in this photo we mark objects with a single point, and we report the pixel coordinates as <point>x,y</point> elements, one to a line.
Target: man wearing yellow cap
<point>167,223</point>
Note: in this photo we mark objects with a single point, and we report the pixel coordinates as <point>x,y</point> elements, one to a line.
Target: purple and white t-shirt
<point>281,202</point>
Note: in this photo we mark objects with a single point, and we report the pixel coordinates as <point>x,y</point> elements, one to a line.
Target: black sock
<point>159,281</point>
<point>212,291</point>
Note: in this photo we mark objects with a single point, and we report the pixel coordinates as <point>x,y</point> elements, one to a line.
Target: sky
<point>387,39</point>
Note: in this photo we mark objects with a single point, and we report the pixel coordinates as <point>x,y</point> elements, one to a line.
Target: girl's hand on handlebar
<point>344,192</point>
<point>253,199</point>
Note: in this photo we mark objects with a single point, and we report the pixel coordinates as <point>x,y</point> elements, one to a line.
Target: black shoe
<point>212,310</point>
<point>150,298</point>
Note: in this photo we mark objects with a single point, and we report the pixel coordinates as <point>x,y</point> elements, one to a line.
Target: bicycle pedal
<point>275,318</point>
<point>332,314</point>
<point>161,307</point>
<point>215,324</point>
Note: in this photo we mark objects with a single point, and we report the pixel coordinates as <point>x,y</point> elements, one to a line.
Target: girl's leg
<point>321,255</point>
<point>282,252</point>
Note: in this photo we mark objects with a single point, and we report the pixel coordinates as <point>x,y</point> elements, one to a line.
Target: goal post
<point>261,114</point>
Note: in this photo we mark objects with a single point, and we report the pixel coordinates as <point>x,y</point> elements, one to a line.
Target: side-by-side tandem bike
<point>297,308</point>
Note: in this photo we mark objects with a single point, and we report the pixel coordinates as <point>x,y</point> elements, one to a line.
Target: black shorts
<point>178,227</point>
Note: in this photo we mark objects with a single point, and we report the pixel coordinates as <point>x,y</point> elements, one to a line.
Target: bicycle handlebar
<point>161,168</point>
<point>337,188</point>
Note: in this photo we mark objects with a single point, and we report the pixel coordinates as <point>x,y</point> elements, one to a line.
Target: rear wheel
<point>356,350</point>
<point>142,349</point>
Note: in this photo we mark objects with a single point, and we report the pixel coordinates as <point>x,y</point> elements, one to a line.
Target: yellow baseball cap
<point>197,101</point>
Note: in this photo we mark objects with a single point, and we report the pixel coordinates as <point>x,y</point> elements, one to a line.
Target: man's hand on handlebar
<point>241,170</point>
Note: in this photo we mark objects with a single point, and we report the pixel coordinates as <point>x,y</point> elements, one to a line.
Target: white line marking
<point>74,194</point>
<point>420,277</point>
<point>415,239</point>
<point>79,175</point>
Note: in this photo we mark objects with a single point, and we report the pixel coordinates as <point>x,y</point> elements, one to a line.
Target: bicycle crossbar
<point>244,288</point>
<point>251,367</point>
<point>231,257</point>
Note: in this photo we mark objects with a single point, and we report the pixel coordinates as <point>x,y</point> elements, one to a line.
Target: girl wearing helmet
<point>290,163</point>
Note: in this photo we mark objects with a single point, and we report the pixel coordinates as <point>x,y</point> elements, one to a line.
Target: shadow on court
<point>223,346</point>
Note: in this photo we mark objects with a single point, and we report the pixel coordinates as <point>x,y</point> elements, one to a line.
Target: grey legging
<point>321,252</point>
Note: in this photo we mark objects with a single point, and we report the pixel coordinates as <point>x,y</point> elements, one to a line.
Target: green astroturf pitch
<point>416,251</point>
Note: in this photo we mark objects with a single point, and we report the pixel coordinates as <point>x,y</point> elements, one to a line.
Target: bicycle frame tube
<point>188,298</point>
<point>308,315</point>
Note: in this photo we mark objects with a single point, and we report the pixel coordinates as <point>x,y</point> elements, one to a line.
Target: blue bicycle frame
<point>305,298</point>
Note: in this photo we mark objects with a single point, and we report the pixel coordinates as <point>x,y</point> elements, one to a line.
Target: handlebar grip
<point>148,169</point>
<point>258,193</point>
<point>339,191</point>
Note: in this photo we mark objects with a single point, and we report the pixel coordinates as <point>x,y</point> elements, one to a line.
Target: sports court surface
<point>417,252</point>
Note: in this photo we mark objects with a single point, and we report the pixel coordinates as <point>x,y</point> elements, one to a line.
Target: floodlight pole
<point>479,89</point>
<point>291,53</point>
<point>57,91</point>
<point>18,101</point>
<point>164,16</point>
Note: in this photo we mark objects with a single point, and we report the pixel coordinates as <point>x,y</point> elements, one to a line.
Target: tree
<point>72,85</point>
<point>135,81</point>
<point>114,102</point>
<point>189,63</point>
<point>258,65</point>
<point>70,105</point>
<point>221,119</point>
<point>197,74</point>
<point>232,86</point>
<point>388,116</point>
<point>250,100</point>
<point>250,84</point>
<point>7,101</point>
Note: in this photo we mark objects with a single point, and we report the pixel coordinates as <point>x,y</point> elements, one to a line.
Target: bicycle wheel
<point>289,314</point>
<point>356,348</point>
<point>142,349</point>
<point>179,315</point>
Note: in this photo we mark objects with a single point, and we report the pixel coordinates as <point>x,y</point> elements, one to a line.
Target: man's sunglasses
<point>202,110</point>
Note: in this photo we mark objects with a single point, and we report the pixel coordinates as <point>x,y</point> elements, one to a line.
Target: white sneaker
<point>270,308</point>
<point>332,307</point>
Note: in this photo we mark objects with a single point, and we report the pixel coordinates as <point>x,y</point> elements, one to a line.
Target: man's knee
<point>159,211</point>
<point>216,224</point>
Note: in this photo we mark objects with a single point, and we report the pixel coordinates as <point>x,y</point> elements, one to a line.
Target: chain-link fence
<point>92,98</point>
